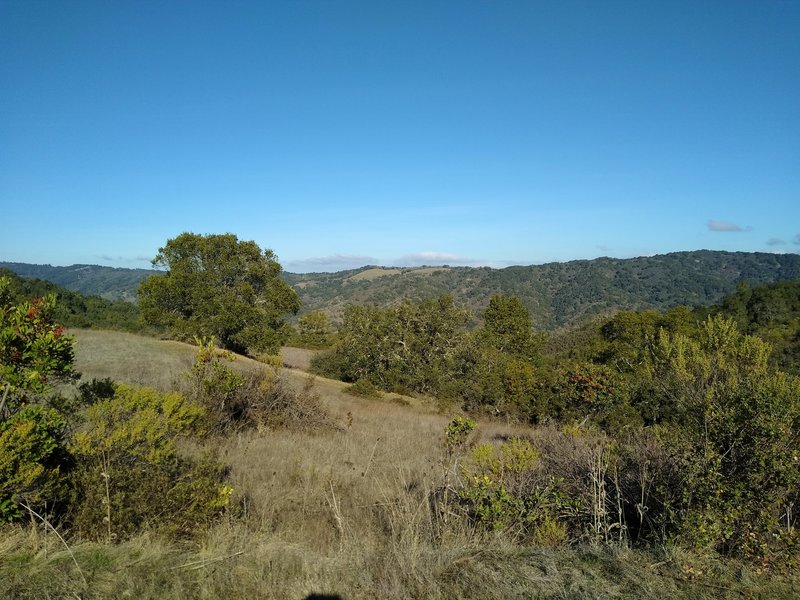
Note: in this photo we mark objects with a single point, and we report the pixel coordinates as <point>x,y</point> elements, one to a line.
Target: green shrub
<point>91,391</point>
<point>35,353</point>
<point>131,475</point>
<point>259,400</point>
<point>364,388</point>
<point>736,440</point>
<point>32,460</point>
<point>505,489</point>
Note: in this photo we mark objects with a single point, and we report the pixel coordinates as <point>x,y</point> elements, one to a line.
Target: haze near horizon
<point>342,134</point>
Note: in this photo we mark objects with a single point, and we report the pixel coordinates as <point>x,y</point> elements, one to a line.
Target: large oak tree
<point>220,287</point>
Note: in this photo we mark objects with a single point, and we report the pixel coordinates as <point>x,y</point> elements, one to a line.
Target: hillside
<point>557,294</point>
<point>73,309</point>
<point>90,280</point>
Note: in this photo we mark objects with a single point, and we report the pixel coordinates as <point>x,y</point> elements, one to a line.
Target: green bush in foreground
<point>131,475</point>
<point>32,457</point>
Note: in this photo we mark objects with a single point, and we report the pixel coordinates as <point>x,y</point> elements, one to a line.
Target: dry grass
<point>297,358</point>
<point>136,359</point>
<point>344,512</point>
<point>371,274</point>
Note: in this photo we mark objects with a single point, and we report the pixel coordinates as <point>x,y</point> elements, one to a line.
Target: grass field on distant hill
<point>343,512</point>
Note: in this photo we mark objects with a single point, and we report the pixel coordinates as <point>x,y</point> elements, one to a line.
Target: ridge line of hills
<point>557,294</point>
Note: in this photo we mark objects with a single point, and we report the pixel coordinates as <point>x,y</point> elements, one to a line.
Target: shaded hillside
<point>90,280</point>
<point>557,294</point>
<point>74,309</point>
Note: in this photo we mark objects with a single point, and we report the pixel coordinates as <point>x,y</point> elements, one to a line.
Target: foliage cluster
<point>314,331</point>
<point>217,286</point>
<point>426,347</point>
<point>130,475</point>
<point>235,401</point>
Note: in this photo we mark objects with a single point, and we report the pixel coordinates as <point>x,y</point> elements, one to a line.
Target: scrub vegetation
<point>645,454</point>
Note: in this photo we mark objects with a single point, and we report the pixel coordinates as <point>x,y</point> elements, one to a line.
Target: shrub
<point>216,386</point>
<point>94,390</point>
<point>34,352</point>
<point>505,489</point>
<point>263,399</point>
<point>32,460</point>
<point>736,440</point>
<point>364,388</point>
<point>131,474</point>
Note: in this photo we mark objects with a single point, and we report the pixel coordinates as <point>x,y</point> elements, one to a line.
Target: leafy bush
<point>96,389</point>
<point>314,331</point>
<point>33,460</point>
<point>505,489</point>
<point>736,439</point>
<point>34,352</point>
<point>216,386</point>
<point>130,474</point>
<point>363,388</point>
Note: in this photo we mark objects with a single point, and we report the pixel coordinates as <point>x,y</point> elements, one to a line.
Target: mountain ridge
<point>558,294</point>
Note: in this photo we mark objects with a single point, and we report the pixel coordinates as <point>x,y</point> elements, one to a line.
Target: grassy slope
<point>343,512</point>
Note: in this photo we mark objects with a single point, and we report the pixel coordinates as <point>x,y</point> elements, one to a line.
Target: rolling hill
<point>557,294</point>
<point>90,280</point>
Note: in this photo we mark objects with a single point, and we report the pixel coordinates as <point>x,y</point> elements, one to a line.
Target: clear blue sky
<point>344,133</point>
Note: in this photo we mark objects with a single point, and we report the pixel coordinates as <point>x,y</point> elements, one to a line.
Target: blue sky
<point>399,133</point>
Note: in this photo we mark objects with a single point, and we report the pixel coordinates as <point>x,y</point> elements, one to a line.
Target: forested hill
<point>90,280</point>
<point>557,294</point>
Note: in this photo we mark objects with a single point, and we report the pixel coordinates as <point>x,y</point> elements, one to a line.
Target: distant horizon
<point>415,266</point>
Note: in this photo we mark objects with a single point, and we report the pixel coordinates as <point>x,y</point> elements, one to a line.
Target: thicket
<point>685,428</point>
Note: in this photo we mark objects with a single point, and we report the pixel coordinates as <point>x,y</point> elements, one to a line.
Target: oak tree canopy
<point>219,286</point>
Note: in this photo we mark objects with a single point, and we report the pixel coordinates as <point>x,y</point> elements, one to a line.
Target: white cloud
<point>727,226</point>
<point>333,262</point>
<point>433,259</point>
<point>776,242</point>
<point>125,259</point>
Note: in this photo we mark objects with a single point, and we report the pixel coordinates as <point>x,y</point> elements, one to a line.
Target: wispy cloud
<point>125,259</point>
<point>342,262</point>
<point>726,226</point>
<point>776,242</point>
<point>333,262</point>
<point>430,258</point>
